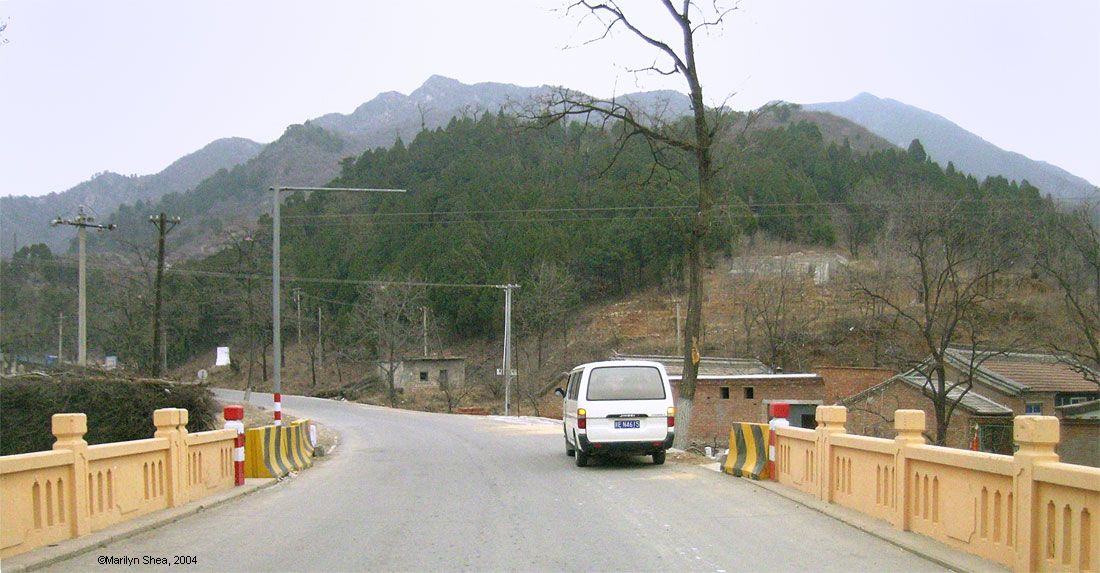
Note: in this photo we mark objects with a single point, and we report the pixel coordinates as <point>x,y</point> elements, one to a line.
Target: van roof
<point>619,363</point>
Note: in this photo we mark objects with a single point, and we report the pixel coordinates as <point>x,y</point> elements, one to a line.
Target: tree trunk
<point>540,340</point>
<point>691,341</point>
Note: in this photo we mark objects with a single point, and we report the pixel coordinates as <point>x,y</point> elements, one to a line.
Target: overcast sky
<point>130,86</point>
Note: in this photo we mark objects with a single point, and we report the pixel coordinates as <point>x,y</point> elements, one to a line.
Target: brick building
<point>739,390</point>
<point>844,381</point>
<point>721,400</point>
<point>1004,385</point>
<point>1080,433</point>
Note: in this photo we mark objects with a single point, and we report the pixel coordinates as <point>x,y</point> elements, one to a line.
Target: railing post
<point>234,420</point>
<point>1036,437</point>
<point>69,429</point>
<point>168,422</point>
<point>909,425</point>
<point>830,421</point>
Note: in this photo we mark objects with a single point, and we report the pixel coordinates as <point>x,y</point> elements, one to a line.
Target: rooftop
<point>1018,372</point>
<point>708,365</point>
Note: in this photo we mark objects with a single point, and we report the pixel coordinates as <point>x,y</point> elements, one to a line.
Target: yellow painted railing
<point>46,497</point>
<point>1027,511</point>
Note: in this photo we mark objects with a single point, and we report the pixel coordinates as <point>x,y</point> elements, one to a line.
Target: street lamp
<point>276,295</point>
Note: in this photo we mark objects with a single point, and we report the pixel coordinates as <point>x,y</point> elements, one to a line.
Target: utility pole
<point>508,346</point>
<point>424,329</point>
<point>164,225</point>
<point>82,222</point>
<point>679,331</point>
<point>320,345</point>
<point>60,331</point>
<point>298,303</point>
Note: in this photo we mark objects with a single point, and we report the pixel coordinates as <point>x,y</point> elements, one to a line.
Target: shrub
<point>118,410</point>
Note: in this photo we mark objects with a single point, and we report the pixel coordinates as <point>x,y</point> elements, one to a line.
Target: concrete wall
<point>77,489</point>
<point>712,415</point>
<point>1028,511</point>
<point>408,373</point>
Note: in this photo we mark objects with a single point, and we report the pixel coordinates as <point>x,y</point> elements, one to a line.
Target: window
<point>1067,399</point>
<point>423,376</point>
<point>443,377</point>
<point>725,392</point>
<point>750,392</point>
<point>1033,408</point>
<point>574,385</point>
<point>626,383</point>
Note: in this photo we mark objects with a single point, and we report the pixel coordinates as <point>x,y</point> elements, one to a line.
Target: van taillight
<point>671,416</point>
<point>582,422</point>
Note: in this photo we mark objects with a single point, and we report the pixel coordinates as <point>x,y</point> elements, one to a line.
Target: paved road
<point>415,491</point>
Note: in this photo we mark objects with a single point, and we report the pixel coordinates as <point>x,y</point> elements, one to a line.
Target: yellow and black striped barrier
<point>275,451</point>
<point>748,456</point>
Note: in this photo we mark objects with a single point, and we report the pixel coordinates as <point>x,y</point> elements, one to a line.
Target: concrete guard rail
<point>748,454</point>
<point>75,489</point>
<point>1027,511</point>
<point>275,451</point>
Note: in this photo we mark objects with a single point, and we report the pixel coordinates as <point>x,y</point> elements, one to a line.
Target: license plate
<point>627,424</point>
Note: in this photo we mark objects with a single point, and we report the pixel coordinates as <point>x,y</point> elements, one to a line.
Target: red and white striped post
<point>778,412</point>
<point>278,409</point>
<point>234,420</point>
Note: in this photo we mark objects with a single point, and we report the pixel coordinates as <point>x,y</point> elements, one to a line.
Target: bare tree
<point>453,392</point>
<point>389,323</point>
<point>1069,253</point>
<point>950,256</point>
<point>694,138</point>
<point>543,305</point>
<point>782,306</point>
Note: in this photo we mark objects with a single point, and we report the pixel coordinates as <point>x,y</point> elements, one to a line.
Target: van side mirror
<point>560,392</point>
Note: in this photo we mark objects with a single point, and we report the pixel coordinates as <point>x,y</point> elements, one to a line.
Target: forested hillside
<point>492,200</point>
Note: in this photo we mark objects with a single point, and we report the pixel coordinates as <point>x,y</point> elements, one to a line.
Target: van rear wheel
<point>659,457</point>
<point>569,449</point>
<point>581,459</point>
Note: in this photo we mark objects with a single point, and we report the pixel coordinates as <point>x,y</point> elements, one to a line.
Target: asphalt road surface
<point>432,492</point>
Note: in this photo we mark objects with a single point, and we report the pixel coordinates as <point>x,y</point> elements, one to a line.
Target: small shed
<point>428,371</point>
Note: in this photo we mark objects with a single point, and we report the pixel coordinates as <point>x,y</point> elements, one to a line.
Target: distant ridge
<point>946,142</point>
<point>28,217</point>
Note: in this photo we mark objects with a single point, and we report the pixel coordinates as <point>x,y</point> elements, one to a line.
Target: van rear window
<point>626,383</point>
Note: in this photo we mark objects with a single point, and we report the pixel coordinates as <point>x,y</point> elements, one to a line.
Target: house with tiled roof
<point>1005,384</point>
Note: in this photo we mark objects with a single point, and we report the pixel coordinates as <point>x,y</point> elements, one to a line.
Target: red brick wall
<point>844,381</point>
<point>711,415</point>
<point>873,415</point>
<point>1080,442</point>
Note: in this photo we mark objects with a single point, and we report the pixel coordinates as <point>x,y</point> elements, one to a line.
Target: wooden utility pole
<point>424,329</point>
<point>298,303</point>
<point>82,222</point>
<point>164,225</point>
<point>60,331</point>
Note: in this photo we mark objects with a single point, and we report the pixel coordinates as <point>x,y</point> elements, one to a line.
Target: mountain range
<point>222,185</point>
<point>945,142</point>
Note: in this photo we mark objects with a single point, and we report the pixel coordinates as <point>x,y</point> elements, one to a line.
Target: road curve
<point>416,491</point>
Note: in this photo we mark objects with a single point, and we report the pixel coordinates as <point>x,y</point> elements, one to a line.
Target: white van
<point>618,406</point>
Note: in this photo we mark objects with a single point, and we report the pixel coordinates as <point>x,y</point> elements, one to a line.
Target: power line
<point>286,279</point>
<point>881,202</point>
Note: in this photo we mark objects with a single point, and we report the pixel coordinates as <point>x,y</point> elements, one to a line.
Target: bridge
<point>418,491</point>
